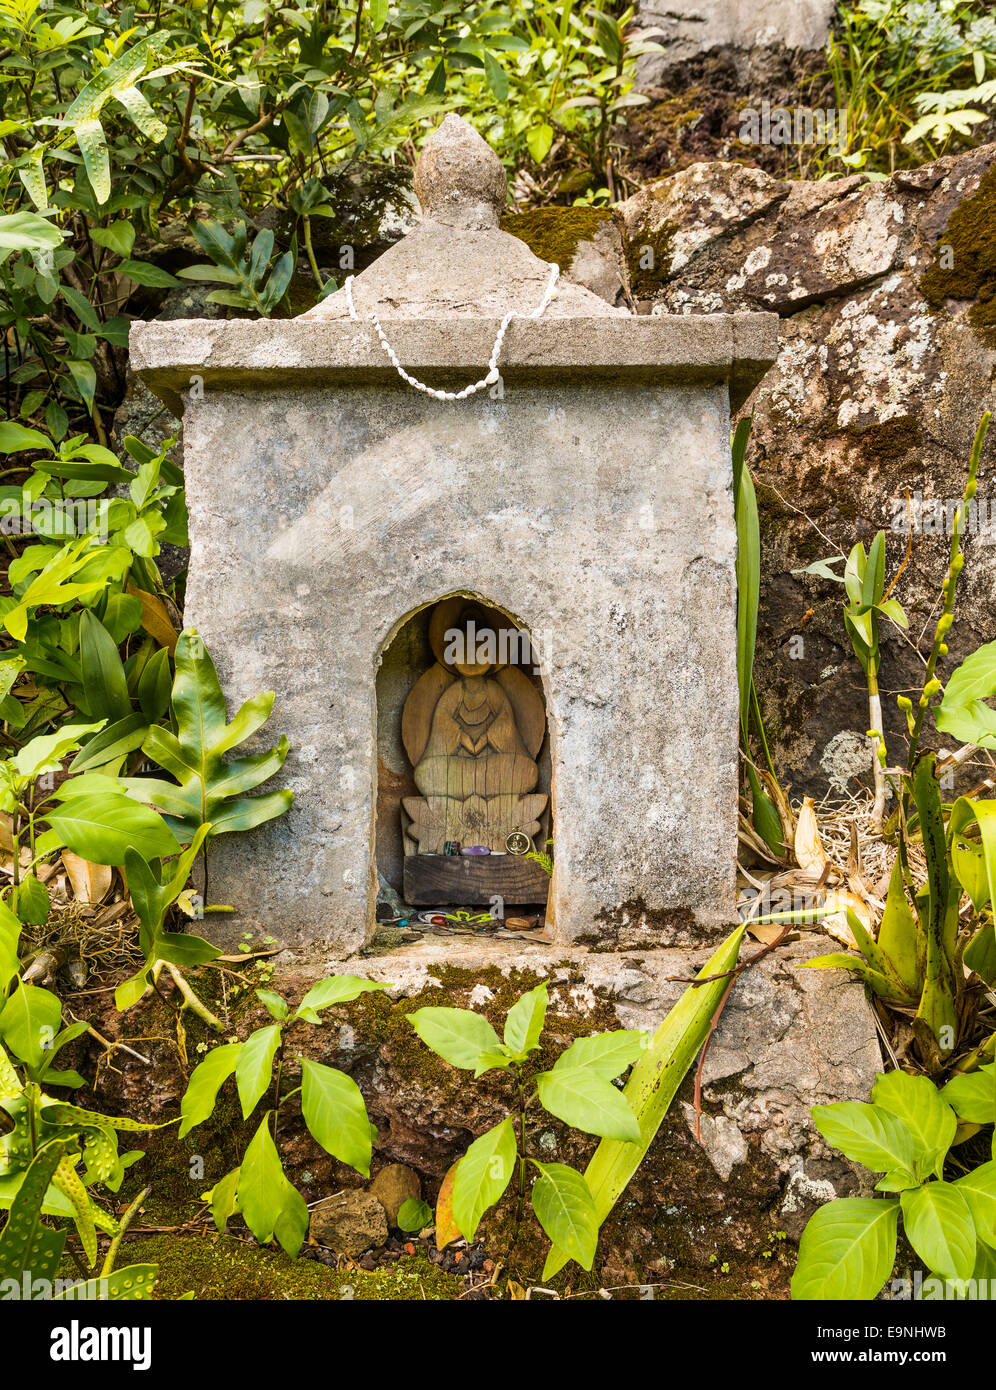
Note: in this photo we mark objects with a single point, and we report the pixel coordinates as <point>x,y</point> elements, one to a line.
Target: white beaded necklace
<point>492,376</point>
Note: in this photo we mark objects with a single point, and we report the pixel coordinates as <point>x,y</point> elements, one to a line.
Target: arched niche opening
<point>463,762</point>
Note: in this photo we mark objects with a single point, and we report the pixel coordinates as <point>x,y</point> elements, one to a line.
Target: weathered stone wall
<point>885,290</point>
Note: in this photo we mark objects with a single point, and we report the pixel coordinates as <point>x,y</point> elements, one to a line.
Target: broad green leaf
<point>566,1211</point>
<point>274,1004</point>
<point>459,1036</point>
<point>134,1283</point>
<point>939,1225</point>
<point>482,1175</point>
<point>974,862</point>
<point>270,1205</point>
<point>524,1022</point>
<point>605,1055</point>
<point>972,1096</point>
<point>335,1113</point>
<point>867,1134</point>
<point>103,829</point>
<point>10,932</point>
<point>917,1102</point>
<point>46,753</point>
<point>67,1180</point>
<point>254,1066</point>
<point>337,989</point>
<point>26,231</point>
<point>979,1190</point>
<point>31,901</point>
<point>582,1099</point>
<point>963,711</point>
<point>26,1243</point>
<point>224,1199</point>
<point>104,683</point>
<point>29,1022</point>
<point>194,754</point>
<point>118,237</point>
<point>897,933</point>
<point>847,1250</point>
<point>205,1082</point>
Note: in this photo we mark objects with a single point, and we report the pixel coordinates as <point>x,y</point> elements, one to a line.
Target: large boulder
<point>886,290</point>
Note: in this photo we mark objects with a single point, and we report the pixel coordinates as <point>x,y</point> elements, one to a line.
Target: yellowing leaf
<point>156,619</point>
<point>838,900</point>
<point>809,852</point>
<point>91,882</point>
<point>446,1227</point>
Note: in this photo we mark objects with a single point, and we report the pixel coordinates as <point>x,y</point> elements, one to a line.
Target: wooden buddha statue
<point>472,727</point>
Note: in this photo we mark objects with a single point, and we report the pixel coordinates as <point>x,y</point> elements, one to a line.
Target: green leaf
<point>974,863</point>
<point>131,1284</point>
<point>482,1176</point>
<point>963,711</point>
<point>275,1006</point>
<point>604,1055</point>
<point>497,77</point>
<point>979,1190</point>
<point>897,933</point>
<point>144,274</point>
<point>31,902</point>
<point>105,686</point>
<point>917,1102</point>
<point>118,237</point>
<point>566,1211</point>
<point>254,1066</point>
<point>414,1215</point>
<point>847,1250</point>
<point>972,1096</point>
<point>110,745</point>
<point>939,1225</point>
<point>459,1036</point>
<point>26,231</point>
<point>205,1082</point>
<point>14,437</point>
<point>224,1198</point>
<point>337,989</point>
<point>524,1022</point>
<point>582,1099</point>
<point>26,1243</point>
<point>46,753</point>
<point>335,1113</point>
<point>29,1023</point>
<point>269,1204</point>
<point>194,754</point>
<point>103,829</point>
<point>867,1134</point>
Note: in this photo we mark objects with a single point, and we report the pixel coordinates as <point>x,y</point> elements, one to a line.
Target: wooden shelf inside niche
<point>439,880</point>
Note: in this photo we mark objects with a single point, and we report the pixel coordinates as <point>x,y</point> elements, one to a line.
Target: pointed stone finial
<point>459,179</point>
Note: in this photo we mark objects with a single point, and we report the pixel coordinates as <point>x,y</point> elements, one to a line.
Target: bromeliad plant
<point>917,962</point>
<point>331,1103</point>
<point>849,1246</point>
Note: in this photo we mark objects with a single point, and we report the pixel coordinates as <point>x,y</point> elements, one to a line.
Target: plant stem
<point>939,648</point>
<point>306,220</point>
<point>107,1268</point>
<point>192,1002</point>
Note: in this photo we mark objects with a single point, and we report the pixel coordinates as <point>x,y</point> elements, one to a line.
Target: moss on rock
<point>964,264</point>
<point>224,1268</point>
<point>554,234</point>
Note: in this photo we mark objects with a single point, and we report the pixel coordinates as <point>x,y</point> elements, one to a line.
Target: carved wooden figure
<point>472,728</point>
